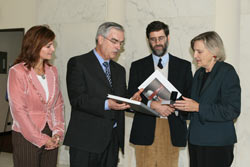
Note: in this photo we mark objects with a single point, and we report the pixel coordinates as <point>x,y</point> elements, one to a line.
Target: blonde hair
<point>213,43</point>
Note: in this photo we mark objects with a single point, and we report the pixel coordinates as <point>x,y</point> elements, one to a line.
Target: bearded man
<point>157,140</point>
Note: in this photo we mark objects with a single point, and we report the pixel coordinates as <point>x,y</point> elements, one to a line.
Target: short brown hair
<point>33,41</point>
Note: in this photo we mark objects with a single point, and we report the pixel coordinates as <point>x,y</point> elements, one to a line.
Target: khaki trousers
<point>161,153</point>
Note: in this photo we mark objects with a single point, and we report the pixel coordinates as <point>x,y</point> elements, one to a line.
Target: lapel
<point>39,88</point>
<point>210,78</point>
<point>51,80</point>
<point>173,66</point>
<point>98,70</point>
<point>114,73</point>
<point>196,87</point>
<point>148,66</point>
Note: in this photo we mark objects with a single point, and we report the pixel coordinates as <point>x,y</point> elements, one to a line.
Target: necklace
<point>43,76</point>
<point>41,73</point>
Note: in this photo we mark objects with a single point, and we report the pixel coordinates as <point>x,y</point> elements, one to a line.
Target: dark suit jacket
<point>220,100</point>
<point>180,75</point>
<point>90,125</point>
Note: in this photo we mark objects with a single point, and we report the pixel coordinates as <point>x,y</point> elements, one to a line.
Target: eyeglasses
<point>155,39</point>
<point>115,41</point>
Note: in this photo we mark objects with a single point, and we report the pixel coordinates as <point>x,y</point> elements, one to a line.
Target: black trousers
<point>108,158</point>
<point>25,154</point>
<point>210,156</point>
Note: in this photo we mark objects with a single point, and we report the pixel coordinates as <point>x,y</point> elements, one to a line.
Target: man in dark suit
<point>157,140</point>
<point>96,128</point>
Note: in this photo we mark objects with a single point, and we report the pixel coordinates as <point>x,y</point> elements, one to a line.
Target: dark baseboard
<point>5,133</point>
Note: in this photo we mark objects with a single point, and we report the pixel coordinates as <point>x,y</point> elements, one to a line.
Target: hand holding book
<point>115,105</point>
<point>156,88</point>
<point>137,95</point>
<point>187,104</point>
<point>163,110</point>
<point>135,105</point>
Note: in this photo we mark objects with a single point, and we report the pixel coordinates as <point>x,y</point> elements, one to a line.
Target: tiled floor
<point>6,160</point>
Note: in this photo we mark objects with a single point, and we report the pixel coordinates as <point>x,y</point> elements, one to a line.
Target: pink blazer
<point>28,105</point>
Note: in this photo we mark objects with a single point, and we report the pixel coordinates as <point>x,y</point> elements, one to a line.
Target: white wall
<point>17,14</point>
<point>75,23</point>
<point>243,130</point>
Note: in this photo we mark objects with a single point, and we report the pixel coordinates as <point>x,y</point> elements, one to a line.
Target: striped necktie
<point>107,72</point>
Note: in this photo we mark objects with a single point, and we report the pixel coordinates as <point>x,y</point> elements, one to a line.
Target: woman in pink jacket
<point>36,102</point>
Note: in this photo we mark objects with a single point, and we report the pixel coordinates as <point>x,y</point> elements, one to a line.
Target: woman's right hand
<point>187,104</point>
<point>51,144</point>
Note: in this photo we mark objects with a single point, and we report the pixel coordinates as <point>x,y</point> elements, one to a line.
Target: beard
<point>159,52</point>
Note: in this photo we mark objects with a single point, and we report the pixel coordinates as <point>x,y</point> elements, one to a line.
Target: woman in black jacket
<point>214,104</point>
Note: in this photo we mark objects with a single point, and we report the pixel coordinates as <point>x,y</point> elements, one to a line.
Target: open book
<point>156,85</point>
<point>135,105</point>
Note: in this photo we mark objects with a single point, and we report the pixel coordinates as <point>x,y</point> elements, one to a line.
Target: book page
<point>156,85</point>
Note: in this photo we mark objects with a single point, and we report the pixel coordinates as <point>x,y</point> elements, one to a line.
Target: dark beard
<point>159,53</point>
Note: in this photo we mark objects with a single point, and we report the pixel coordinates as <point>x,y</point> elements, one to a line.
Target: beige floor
<point>6,160</point>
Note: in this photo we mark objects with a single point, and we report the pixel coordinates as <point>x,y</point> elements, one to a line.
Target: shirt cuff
<point>149,103</point>
<point>106,106</point>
